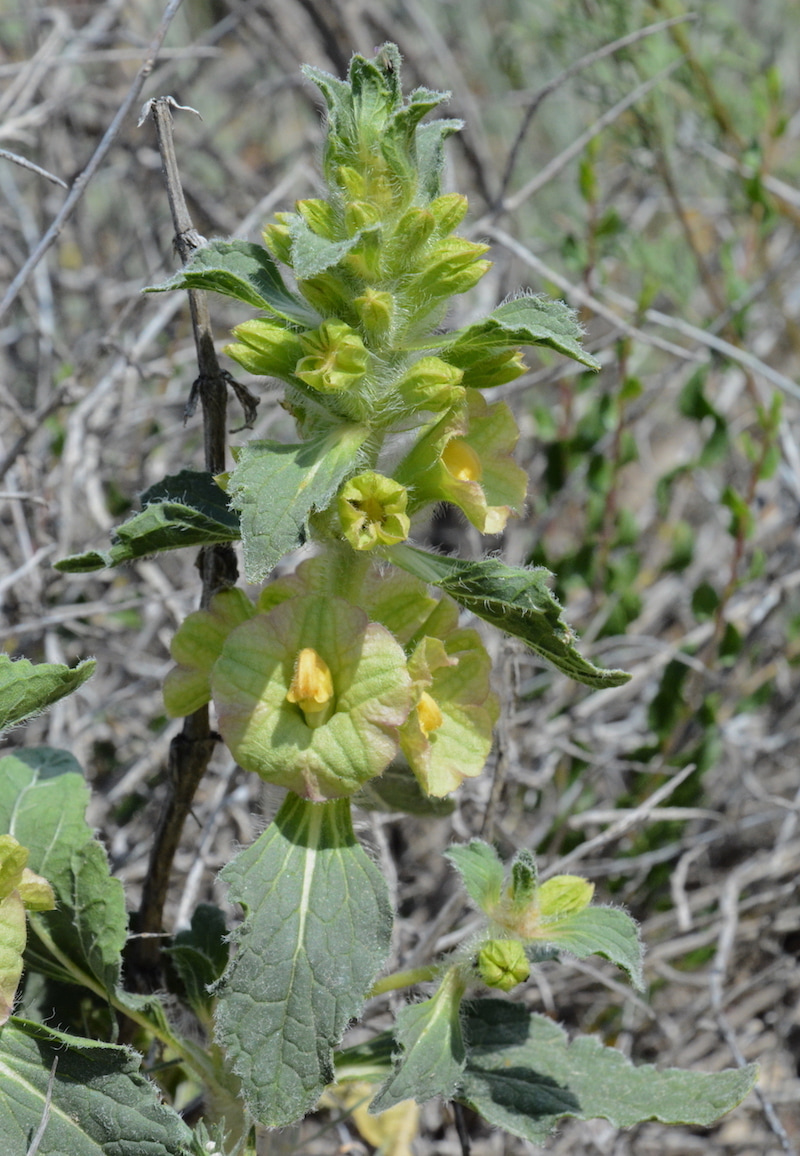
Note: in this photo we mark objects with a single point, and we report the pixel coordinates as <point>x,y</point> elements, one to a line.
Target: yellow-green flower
<point>465,458</point>
<point>372,511</point>
<point>448,735</point>
<point>336,357</point>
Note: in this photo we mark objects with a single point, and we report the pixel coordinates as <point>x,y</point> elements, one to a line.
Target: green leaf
<point>398,789</point>
<point>526,320</point>
<point>481,870</point>
<point>200,954</point>
<point>27,689</point>
<point>43,799</point>
<point>316,933</point>
<point>276,487</point>
<point>516,600</point>
<point>242,270</point>
<point>312,254</point>
<point>523,1074</point>
<point>432,1054</point>
<point>185,509</point>
<point>605,931</point>
<point>100,1104</point>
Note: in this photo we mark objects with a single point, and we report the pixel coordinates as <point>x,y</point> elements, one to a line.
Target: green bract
<point>268,734</point>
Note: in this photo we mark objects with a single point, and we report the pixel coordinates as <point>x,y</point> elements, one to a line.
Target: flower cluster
<point>378,261</point>
<point>346,665</point>
<point>319,695</point>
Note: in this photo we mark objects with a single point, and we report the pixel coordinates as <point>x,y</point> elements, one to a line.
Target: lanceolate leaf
<point>524,1075</point>
<point>245,271</point>
<point>99,1102</point>
<point>43,798</point>
<point>315,936</point>
<point>276,487</point>
<point>431,1056</point>
<point>604,931</point>
<point>516,600</point>
<point>185,509</point>
<point>26,689</point>
<point>527,320</point>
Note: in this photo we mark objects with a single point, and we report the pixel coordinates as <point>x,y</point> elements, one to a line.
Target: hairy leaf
<point>276,487</point>
<point>99,1105</point>
<point>605,931</point>
<point>524,1075</point>
<point>242,270</point>
<point>185,509</point>
<point>480,869</point>
<point>527,320</point>
<point>315,935</point>
<point>27,688</point>
<point>431,1049</point>
<point>312,254</point>
<point>516,600</point>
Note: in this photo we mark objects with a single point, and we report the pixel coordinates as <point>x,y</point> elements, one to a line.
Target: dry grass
<point>699,276</point>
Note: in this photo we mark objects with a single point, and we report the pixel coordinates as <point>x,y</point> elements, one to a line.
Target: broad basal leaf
<point>185,509</point>
<point>516,600</point>
<point>523,1074</point>
<point>276,487</point>
<point>242,270</point>
<point>27,688</point>
<point>315,935</point>
<point>100,1104</point>
<point>43,799</point>
<point>527,320</point>
<point>431,1052</point>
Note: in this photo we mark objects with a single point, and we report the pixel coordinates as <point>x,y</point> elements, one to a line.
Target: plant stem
<point>400,979</point>
<point>193,1057</point>
<point>191,750</point>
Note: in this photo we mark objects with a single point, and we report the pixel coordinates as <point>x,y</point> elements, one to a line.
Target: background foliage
<point>664,490</point>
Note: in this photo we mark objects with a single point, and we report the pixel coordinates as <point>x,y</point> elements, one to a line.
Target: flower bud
<point>502,963</point>
<point>266,349</point>
<point>431,384</point>
<point>372,511</point>
<point>448,212</point>
<point>376,311</point>
<point>330,295</point>
<point>320,216</point>
<point>360,215</point>
<point>278,239</point>
<point>336,358</point>
<point>352,181</point>
<point>453,267</point>
<point>401,251</point>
